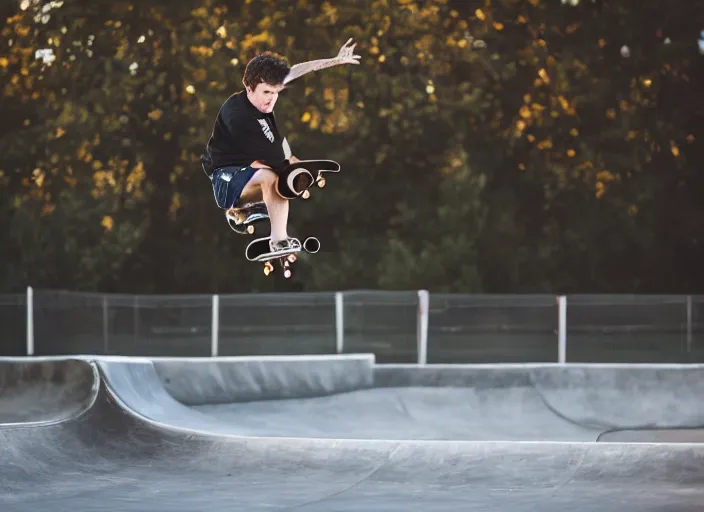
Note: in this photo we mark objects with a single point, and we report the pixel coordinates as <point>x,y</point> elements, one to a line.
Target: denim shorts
<point>228,183</point>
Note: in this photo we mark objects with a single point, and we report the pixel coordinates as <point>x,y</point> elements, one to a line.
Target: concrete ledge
<point>463,376</point>
<point>202,381</point>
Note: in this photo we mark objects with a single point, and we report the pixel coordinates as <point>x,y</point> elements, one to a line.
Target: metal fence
<point>406,327</point>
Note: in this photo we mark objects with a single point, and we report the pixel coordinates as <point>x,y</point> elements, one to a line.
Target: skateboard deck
<point>296,179</point>
<point>258,250</point>
<point>243,220</point>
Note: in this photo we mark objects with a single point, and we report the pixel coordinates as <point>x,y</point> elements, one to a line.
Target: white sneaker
<point>289,244</point>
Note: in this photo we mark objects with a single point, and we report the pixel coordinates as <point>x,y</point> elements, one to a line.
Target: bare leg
<point>263,186</point>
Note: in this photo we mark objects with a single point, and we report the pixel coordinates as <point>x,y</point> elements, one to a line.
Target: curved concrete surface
<point>138,448</point>
<point>598,396</point>
<point>239,379</point>
<point>511,414</point>
<point>39,391</point>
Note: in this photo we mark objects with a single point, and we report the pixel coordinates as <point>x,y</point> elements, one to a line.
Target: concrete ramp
<point>417,446</point>
<point>150,389</point>
<point>599,397</point>
<point>241,379</point>
<point>37,391</point>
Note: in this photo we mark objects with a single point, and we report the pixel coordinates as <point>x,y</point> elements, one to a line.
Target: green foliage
<point>547,162</point>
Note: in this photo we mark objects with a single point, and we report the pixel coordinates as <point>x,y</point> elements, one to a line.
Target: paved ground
<point>491,438</point>
<point>459,414</point>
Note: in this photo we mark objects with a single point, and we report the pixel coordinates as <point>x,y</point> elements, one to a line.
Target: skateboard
<point>258,250</point>
<point>295,180</point>
<point>242,220</point>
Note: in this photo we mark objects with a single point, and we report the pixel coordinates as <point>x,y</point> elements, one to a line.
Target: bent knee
<point>265,176</point>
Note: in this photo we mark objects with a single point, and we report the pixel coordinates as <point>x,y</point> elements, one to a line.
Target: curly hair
<point>268,67</point>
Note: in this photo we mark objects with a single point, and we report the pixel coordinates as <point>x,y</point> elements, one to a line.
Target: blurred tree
<point>562,158</point>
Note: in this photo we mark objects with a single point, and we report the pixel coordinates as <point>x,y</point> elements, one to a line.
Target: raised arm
<point>345,56</point>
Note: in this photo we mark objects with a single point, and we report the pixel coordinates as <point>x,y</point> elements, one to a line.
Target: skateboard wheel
<point>250,230</point>
<point>292,258</point>
<point>287,273</point>
<point>321,182</point>
<point>306,194</point>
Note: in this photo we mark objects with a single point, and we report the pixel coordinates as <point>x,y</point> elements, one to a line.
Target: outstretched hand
<point>346,54</point>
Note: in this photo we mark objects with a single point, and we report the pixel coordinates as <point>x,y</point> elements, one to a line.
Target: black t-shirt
<point>243,134</point>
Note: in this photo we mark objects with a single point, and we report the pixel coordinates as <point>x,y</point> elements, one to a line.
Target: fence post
<point>562,329</point>
<point>215,326</point>
<point>30,321</point>
<point>339,322</point>
<point>105,324</point>
<point>422,327</point>
<point>689,324</point>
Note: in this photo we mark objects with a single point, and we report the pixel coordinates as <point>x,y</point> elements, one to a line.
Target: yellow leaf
<point>544,75</point>
<point>605,176</point>
<point>175,202</point>
<point>600,189</point>
<point>480,14</point>
<point>4,62</point>
<point>545,144</point>
<point>38,176</point>
<point>107,223</point>
<point>155,114</point>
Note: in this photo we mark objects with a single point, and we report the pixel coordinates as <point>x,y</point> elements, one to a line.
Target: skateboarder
<point>246,147</point>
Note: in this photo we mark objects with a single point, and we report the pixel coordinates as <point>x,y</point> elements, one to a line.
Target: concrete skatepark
<point>342,433</point>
